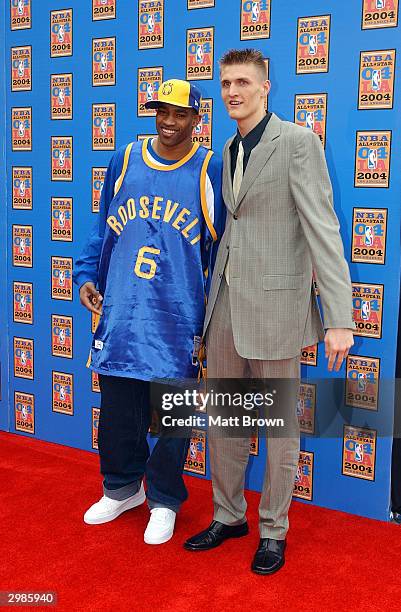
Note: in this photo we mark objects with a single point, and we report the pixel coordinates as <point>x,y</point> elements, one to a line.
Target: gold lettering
<point>170,210</point>
<point>196,239</point>
<point>181,218</point>
<point>186,229</point>
<point>144,202</point>
<point>131,208</point>
<point>123,215</point>
<point>156,207</point>
<point>115,225</point>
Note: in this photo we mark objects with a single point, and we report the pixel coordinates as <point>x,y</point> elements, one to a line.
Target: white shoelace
<point>160,515</point>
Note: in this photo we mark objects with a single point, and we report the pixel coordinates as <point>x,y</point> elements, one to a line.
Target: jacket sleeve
<point>311,189</point>
<point>87,264</point>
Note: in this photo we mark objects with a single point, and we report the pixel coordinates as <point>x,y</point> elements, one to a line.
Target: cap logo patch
<point>167,89</point>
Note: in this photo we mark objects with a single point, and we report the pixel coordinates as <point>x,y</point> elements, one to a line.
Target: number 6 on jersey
<point>142,260</point>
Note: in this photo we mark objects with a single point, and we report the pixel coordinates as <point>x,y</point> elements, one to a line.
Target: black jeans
<point>125,417</point>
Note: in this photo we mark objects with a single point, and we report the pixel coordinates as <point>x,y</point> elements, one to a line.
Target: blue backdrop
<point>351,468</point>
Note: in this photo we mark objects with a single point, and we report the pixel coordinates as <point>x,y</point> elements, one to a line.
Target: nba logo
<point>61,159</point>
<point>358,452</point>
<point>298,477</point>
<point>199,54</point>
<point>372,159</point>
<point>376,80</point>
<point>61,278</point>
<point>103,126</point>
<point>300,407</point>
<point>310,120</point>
<point>22,188</point>
<point>198,127</point>
<point>24,412</point>
<point>61,34</point>
<point>62,393</point>
<point>192,449</point>
<point>312,44</point>
<point>20,7</point>
<point>61,336</point>
<point>103,62</point>
<point>365,310</point>
<point>21,128</point>
<point>61,218</point>
<point>255,11</point>
<point>380,4</point>
<point>61,97</point>
<point>22,303</point>
<point>368,235</point>
<point>149,92</point>
<point>22,246</point>
<point>362,381</point>
<point>21,68</point>
<point>23,358</point>
<point>151,24</point>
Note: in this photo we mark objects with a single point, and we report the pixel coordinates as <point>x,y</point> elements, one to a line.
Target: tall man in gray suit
<point>262,306</point>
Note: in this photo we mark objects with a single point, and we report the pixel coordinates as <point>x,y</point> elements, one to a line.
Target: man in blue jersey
<point>144,269</point>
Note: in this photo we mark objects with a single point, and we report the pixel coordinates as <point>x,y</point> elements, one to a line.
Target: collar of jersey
<point>167,168</point>
<point>152,155</point>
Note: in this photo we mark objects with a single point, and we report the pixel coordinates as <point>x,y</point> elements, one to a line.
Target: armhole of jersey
<point>205,211</point>
<point>120,179</point>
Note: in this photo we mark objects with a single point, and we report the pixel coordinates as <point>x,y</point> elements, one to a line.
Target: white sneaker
<point>160,527</point>
<point>107,509</point>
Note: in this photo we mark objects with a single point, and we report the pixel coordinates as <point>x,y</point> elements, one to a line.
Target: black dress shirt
<point>249,142</point>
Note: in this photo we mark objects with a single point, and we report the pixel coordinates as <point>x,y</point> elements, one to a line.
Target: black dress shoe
<point>215,535</point>
<point>269,557</point>
<point>396,517</point>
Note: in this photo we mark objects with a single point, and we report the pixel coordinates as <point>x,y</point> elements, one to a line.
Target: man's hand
<point>91,298</point>
<point>337,345</point>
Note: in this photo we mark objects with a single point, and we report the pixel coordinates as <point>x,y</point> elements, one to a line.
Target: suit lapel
<point>228,195</point>
<point>259,157</point>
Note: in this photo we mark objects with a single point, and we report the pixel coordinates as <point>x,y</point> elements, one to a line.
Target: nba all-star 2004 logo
<point>151,24</point>
<point>21,68</point>
<point>369,231</point>
<point>149,81</point>
<point>200,53</point>
<point>22,302</point>
<point>311,112</point>
<point>22,187</point>
<point>20,14</point>
<point>359,452</point>
<point>61,33</point>
<point>313,39</point>
<point>63,393</point>
<point>372,159</point>
<point>367,303</point>
<point>362,382</point>
<point>376,79</point>
<point>255,19</point>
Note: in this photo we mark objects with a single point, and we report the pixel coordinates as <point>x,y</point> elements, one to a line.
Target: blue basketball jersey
<point>153,268</point>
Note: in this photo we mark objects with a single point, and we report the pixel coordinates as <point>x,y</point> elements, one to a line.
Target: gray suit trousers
<point>229,456</point>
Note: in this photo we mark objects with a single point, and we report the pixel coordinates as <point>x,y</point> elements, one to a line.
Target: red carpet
<point>334,561</point>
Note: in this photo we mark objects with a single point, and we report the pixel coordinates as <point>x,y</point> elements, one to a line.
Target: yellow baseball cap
<point>178,93</point>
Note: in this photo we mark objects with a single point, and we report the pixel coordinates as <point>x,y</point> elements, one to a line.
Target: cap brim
<point>156,103</point>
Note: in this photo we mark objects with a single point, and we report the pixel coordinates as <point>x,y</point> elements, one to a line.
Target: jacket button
<point>227,247</point>
<point>235,217</point>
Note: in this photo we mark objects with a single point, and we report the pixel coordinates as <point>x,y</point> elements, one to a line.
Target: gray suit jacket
<point>281,225</point>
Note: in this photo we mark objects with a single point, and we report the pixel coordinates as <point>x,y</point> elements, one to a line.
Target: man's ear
<point>267,86</point>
